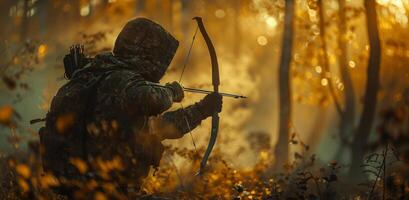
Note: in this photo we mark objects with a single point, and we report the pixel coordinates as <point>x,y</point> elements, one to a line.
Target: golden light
<point>324,82</point>
<point>85,10</point>
<point>42,51</point>
<point>318,69</point>
<point>271,22</point>
<point>308,75</point>
<point>352,64</point>
<point>6,113</point>
<point>389,52</point>
<point>340,86</point>
<point>398,11</point>
<point>262,40</point>
<point>220,13</point>
<point>264,155</point>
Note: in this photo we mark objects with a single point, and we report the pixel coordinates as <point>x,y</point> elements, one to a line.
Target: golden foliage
<point>48,180</point>
<point>65,121</point>
<point>79,164</point>
<point>42,51</point>
<point>23,170</point>
<point>108,165</point>
<point>23,185</point>
<point>100,196</point>
<point>6,115</point>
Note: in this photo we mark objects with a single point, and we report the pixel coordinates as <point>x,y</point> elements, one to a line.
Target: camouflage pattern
<point>128,120</point>
<point>125,120</point>
<point>146,45</point>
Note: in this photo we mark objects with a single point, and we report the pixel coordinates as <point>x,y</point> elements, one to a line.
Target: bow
<point>216,83</point>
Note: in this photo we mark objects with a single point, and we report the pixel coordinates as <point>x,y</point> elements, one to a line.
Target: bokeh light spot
<point>42,51</point>
<point>262,40</point>
<point>352,64</point>
<point>85,10</point>
<point>324,82</point>
<point>271,22</point>
<point>220,13</point>
<point>318,69</point>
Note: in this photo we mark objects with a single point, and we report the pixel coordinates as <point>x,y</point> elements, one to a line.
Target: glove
<point>177,91</point>
<point>210,104</point>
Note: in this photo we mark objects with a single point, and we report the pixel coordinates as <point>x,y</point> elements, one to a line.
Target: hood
<point>147,47</point>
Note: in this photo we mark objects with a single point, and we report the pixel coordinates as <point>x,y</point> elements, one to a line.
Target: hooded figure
<point>126,119</point>
<point>146,46</point>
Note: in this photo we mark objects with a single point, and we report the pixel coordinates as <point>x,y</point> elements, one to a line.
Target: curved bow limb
<point>216,83</point>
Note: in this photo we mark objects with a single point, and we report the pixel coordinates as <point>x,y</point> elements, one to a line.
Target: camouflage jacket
<point>128,121</point>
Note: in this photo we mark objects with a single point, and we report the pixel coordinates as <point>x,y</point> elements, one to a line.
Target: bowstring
<point>188,55</point>
<point>180,82</point>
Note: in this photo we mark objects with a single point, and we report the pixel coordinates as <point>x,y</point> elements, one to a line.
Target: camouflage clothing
<point>128,122</point>
<point>124,120</point>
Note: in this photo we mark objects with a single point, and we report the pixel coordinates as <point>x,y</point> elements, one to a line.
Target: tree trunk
<point>326,66</point>
<point>5,19</point>
<point>24,22</point>
<point>281,149</point>
<point>316,131</point>
<point>43,13</point>
<point>371,90</point>
<point>348,114</point>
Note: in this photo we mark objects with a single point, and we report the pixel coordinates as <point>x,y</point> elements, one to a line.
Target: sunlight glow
<point>220,13</point>
<point>42,51</point>
<point>351,64</point>
<point>271,22</point>
<point>318,69</point>
<point>397,9</point>
<point>324,82</point>
<point>262,40</point>
<point>85,10</point>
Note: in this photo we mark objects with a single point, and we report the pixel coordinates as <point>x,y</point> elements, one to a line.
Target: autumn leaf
<point>23,185</point>
<point>64,122</point>
<point>79,164</point>
<point>48,180</point>
<point>109,187</point>
<point>92,184</point>
<point>108,165</point>
<point>6,115</point>
<point>23,170</point>
<point>100,196</point>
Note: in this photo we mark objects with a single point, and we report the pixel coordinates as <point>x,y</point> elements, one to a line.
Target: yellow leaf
<point>6,114</point>
<point>42,51</point>
<point>99,196</point>
<point>64,122</point>
<point>92,184</point>
<point>109,187</point>
<point>23,170</point>
<point>79,164</point>
<point>23,185</point>
<point>49,180</point>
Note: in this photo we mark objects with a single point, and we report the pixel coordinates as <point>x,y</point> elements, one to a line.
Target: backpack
<point>64,135</point>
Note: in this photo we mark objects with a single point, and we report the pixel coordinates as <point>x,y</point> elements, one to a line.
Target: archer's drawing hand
<point>177,91</point>
<point>210,104</point>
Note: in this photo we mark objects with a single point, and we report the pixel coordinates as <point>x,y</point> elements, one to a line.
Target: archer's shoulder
<point>123,75</point>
